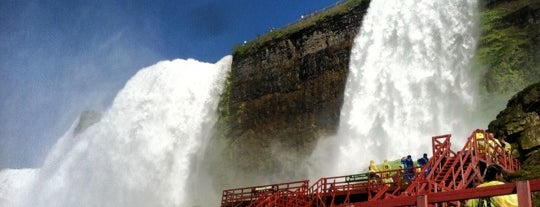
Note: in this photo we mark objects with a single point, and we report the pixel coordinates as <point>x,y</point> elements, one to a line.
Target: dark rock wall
<point>288,92</point>
<point>519,124</point>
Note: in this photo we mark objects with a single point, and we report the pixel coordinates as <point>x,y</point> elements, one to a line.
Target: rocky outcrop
<point>519,124</point>
<point>287,92</point>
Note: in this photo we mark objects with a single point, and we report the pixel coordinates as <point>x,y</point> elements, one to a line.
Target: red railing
<point>489,150</point>
<point>523,190</point>
<point>446,171</point>
<point>250,196</point>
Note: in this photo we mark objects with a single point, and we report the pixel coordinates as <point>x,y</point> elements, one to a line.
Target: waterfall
<point>141,150</point>
<point>409,80</point>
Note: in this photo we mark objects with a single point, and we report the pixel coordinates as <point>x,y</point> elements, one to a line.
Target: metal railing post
<point>421,201</point>
<point>524,193</point>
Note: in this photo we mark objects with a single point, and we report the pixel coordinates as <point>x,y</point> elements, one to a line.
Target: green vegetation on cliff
<point>224,108</point>
<point>508,47</point>
<point>305,22</point>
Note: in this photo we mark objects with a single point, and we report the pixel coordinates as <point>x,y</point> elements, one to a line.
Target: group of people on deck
<point>493,176</point>
<point>497,151</point>
<point>494,149</point>
<point>386,174</point>
<point>407,165</point>
<point>490,147</point>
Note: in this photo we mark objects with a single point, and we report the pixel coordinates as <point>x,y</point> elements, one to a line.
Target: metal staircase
<point>446,171</point>
<point>449,171</point>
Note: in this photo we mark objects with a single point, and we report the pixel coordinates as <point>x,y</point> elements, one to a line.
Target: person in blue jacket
<point>423,161</point>
<point>404,162</point>
<point>409,170</point>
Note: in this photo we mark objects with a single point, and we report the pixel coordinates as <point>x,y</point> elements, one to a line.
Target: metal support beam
<point>421,201</point>
<point>524,193</point>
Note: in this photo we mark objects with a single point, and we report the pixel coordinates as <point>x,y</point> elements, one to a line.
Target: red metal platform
<point>447,179</point>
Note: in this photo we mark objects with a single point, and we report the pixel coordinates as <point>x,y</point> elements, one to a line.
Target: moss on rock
<point>509,46</point>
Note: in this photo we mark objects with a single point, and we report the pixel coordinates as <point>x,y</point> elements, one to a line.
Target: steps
<point>446,171</point>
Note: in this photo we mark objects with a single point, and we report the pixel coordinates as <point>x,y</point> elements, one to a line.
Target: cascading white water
<point>141,151</point>
<point>409,80</point>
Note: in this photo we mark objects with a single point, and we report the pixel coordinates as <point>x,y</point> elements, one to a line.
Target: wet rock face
<point>519,124</point>
<point>509,45</point>
<point>289,91</point>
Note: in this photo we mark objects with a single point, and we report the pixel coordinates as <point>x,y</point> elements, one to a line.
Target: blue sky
<point>58,58</point>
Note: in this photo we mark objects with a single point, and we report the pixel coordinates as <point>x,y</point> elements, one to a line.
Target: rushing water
<point>141,151</point>
<point>409,80</point>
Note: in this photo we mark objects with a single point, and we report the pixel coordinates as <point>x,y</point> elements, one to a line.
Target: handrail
<point>522,188</point>
<point>253,193</point>
<point>449,171</point>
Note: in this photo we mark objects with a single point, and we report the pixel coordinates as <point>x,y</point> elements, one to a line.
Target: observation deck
<point>447,179</point>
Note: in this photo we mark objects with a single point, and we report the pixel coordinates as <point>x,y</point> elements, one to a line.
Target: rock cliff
<point>509,46</point>
<point>519,124</point>
<point>288,91</point>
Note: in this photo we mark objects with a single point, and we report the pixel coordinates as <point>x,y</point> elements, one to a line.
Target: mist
<point>141,151</point>
<point>73,61</point>
<point>410,79</point>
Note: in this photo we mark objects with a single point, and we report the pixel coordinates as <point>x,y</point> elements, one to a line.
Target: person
<point>373,172</point>
<point>404,168</point>
<point>480,142</point>
<point>494,147</point>
<point>404,162</point>
<point>409,168</point>
<point>506,154</point>
<point>507,147</point>
<point>387,176</point>
<point>373,169</point>
<point>386,165</point>
<point>423,160</point>
<point>493,176</point>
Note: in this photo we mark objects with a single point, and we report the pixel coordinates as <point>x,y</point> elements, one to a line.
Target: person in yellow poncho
<point>480,141</point>
<point>373,169</point>
<point>373,172</point>
<point>492,177</point>
<point>494,148</point>
<point>507,147</point>
<point>387,176</point>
